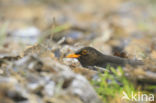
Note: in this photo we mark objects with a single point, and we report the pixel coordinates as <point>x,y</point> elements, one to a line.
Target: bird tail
<point>135,62</point>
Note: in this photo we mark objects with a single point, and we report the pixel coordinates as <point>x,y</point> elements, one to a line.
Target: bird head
<point>86,56</point>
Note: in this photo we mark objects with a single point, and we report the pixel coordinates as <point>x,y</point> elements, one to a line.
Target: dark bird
<point>89,56</point>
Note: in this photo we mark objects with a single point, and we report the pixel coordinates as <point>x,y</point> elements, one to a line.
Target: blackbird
<point>89,56</point>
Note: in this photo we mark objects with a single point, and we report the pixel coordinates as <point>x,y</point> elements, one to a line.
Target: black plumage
<point>89,56</point>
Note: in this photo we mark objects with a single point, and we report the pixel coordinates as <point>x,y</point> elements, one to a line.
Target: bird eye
<point>84,52</point>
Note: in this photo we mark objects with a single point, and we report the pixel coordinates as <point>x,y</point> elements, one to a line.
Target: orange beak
<point>73,56</point>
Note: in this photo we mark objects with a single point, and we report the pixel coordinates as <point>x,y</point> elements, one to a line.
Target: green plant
<point>53,31</point>
<point>3,30</point>
<point>109,85</point>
